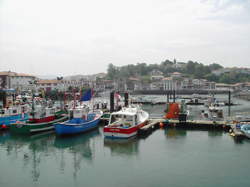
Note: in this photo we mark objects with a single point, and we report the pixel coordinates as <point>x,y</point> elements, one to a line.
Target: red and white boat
<point>126,122</point>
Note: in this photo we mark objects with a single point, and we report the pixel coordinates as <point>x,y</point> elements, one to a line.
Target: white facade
<point>21,82</point>
<point>168,84</point>
<point>49,85</point>
<point>18,81</point>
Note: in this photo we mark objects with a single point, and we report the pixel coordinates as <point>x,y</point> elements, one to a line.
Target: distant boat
<point>42,120</point>
<point>246,129</point>
<point>12,115</point>
<point>214,108</point>
<point>126,122</point>
<point>81,121</point>
<point>213,113</point>
<point>242,118</point>
<point>195,101</point>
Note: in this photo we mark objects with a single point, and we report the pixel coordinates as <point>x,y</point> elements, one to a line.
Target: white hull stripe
<point>110,134</point>
<point>50,122</point>
<point>42,129</point>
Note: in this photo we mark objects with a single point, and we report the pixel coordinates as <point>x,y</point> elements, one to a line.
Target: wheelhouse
<point>123,120</point>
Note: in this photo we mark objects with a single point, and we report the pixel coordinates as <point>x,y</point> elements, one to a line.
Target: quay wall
<point>179,92</point>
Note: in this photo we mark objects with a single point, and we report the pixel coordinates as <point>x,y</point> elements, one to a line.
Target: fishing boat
<point>83,117</point>
<point>12,115</point>
<point>81,121</point>
<point>242,118</point>
<point>42,119</point>
<point>246,129</point>
<point>214,108</point>
<point>126,122</point>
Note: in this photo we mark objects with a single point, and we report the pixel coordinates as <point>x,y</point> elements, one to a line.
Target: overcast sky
<point>65,37</point>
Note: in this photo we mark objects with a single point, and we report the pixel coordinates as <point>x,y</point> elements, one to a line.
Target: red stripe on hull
<point>123,130</point>
<point>42,120</point>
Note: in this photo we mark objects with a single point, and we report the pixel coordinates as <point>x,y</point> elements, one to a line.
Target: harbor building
<point>17,81</point>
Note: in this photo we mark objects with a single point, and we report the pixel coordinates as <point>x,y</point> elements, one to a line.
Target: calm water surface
<point>168,157</point>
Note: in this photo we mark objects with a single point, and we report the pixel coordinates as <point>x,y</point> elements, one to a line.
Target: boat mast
<point>74,99</point>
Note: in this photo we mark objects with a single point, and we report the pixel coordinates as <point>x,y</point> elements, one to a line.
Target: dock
<point>236,132</point>
<point>154,124</point>
<point>199,122</point>
<point>149,102</point>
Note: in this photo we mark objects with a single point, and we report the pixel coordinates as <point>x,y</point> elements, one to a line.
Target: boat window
<point>14,111</point>
<point>52,111</point>
<point>129,118</point>
<point>115,118</point>
<point>77,114</point>
<point>246,128</point>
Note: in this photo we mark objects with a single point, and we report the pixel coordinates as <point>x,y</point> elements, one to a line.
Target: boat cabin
<point>246,127</point>
<point>124,118</point>
<point>41,112</point>
<point>79,113</point>
<point>15,110</point>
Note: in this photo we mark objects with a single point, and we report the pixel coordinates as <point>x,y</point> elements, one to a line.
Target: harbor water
<point>168,157</point>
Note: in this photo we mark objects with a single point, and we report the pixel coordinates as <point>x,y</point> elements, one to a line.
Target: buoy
<point>161,125</point>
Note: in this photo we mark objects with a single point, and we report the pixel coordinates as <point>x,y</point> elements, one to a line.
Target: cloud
<point>231,11</point>
<point>70,35</point>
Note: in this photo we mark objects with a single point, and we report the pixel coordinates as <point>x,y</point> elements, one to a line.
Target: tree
<point>190,68</point>
<point>211,77</point>
<point>112,71</point>
<point>214,66</point>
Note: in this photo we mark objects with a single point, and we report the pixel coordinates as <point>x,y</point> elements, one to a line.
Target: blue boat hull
<point>7,120</point>
<point>68,128</point>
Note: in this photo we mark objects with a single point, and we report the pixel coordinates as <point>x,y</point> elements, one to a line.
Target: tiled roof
<point>14,74</point>
<point>167,78</point>
<point>54,81</point>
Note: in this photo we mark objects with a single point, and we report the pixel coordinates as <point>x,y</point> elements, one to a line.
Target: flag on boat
<point>118,96</point>
<point>87,95</point>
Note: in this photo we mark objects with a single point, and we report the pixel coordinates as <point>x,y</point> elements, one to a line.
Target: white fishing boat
<point>246,129</point>
<point>126,122</point>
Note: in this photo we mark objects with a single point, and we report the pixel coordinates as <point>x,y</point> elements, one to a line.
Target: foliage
<point>190,69</point>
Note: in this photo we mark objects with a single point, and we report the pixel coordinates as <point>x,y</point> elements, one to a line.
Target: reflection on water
<point>214,133</point>
<point>122,146</point>
<point>174,133</point>
<point>79,147</point>
<point>177,133</point>
<point>82,160</point>
<point>32,150</point>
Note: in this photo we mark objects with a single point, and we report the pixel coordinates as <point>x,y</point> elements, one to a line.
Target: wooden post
<point>112,101</point>
<point>174,96</point>
<point>4,99</point>
<point>229,103</point>
<point>126,99</point>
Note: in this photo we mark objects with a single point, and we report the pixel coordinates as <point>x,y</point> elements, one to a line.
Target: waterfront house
<point>17,81</point>
<point>49,85</point>
<point>176,75</point>
<point>224,87</point>
<point>156,75</point>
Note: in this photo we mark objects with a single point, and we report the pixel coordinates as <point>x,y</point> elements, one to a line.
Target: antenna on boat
<point>126,96</point>
<point>74,106</point>
<point>33,83</point>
